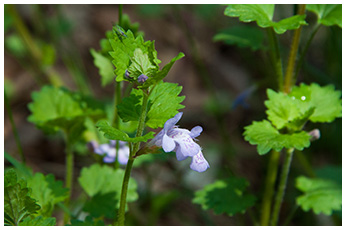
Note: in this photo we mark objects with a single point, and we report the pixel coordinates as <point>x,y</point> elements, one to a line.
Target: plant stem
<point>69,176</point>
<point>269,187</point>
<point>282,186</point>
<point>275,56</point>
<point>14,128</point>
<point>302,56</point>
<point>293,54</point>
<point>134,149</point>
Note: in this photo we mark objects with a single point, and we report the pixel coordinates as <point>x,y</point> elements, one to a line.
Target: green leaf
<point>38,221</point>
<point>281,108</point>
<point>326,101</point>
<point>225,196</point>
<point>124,47</point>
<point>163,104</point>
<point>328,14</point>
<point>18,204</point>
<point>55,109</point>
<point>262,14</point>
<point>47,192</point>
<point>141,65</point>
<point>242,36</point>
<point>320,195</point>
<point>266,137</point>
<point>115,134</point>
<point>160,75</point>
<point>130,107</point>
<point>102,205</point>
<point>101,180</point>
<point>106,69</point>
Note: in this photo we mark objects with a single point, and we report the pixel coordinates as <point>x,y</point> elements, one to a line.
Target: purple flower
<point>142,78</point>
<point>110,151</point>
<point>182,141</point>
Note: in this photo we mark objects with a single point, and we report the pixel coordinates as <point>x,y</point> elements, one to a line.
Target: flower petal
<point>171,122</point>
<point>108,159</point>
<point>168,143</point>
<point>188,147</point>
<point>199,163</point>
<point>196,131</point>
<point>179,154</point>
<point>123,155</point>
<point>102,149</point>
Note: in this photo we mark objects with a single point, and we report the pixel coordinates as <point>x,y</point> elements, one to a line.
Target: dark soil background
<point>212,74</point>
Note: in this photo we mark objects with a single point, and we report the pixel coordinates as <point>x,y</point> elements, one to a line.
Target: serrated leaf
<point>130,107</point>
<point>262,14</point>
<point>328,14</point>
<point>225,196</point>
<point>266,137</point>
<point>38,221</point>
<point>106,69</point>
<point>47,192</point>
<point>320,195</point>
<point>163,104</point>
<point>102,180</point>
<point>326,101</point>
<point>55,109</point>
<point>102,205</point>
<point>115,134</point>
<point>17,204</point>
<point>242,36</point>
<point>161,74</point>
<point>281,108</point>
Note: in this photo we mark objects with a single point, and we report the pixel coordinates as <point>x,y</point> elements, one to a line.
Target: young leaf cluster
<point>134,56</point>
<point>287,115</point>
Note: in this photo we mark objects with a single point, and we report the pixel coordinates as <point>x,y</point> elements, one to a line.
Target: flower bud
<point>314,134</point>
<point>142,78</point>
<point>127,74</point>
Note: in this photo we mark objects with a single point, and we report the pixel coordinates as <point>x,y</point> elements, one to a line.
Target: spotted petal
<point>199,163</point>
<point>188,147</point>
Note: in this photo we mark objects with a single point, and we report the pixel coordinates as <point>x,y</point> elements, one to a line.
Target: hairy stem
<point>14,128</point>
<point>275,56</point>
<point>134,149</point>
<point>293,55</point>
<point>269,187</point>
<point>282,186</point>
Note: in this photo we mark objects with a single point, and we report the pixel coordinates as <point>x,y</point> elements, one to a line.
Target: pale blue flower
<point>109,150</point>
<point>142,78</point>
<point>182,141</point>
